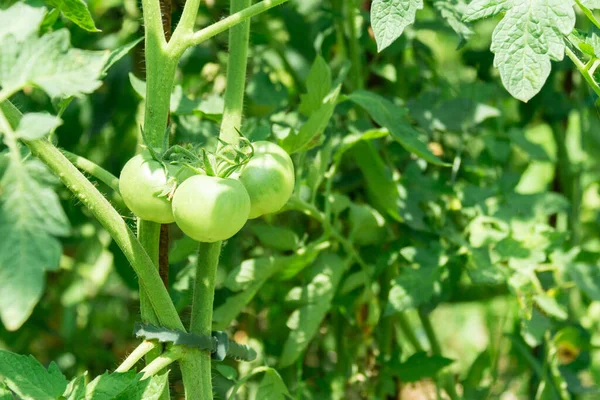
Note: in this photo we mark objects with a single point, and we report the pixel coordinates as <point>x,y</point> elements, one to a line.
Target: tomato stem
<point>136,355</point>
<point>239,37</point>
<point>199,384</point>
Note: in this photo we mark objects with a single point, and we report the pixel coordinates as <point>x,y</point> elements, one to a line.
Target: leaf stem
<point>234,19</point>
<point>354,46</point>
<point>94,170</point>
<point>588,13</point>
<point>136,355</point>
<point>163,361</point>
<point>583,70</point>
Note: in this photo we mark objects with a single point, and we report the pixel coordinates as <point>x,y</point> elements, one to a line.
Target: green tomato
<point>142,180</point>
<point>209,209</point>
<point>268,178</point>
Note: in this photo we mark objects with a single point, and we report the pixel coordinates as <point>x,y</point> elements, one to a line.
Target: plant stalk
<point>199,384</point>
<point>136,355</point>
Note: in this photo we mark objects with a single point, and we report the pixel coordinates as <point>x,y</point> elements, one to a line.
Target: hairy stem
<point>581,67</point>
<point>201,322</point>
<point>94,170</point>
<point>136,355</point>
<point>87,193</point>
<point>236,76</point>
<point>163,361</point>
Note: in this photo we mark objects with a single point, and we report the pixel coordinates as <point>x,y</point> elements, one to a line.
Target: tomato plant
<point>335,199</point>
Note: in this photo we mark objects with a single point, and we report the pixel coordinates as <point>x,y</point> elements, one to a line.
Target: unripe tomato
<point>269,178</point>
<point>142,180</point>
<point>209,209</point>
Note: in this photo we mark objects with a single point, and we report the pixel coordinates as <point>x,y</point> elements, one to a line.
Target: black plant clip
<point>218,344</point>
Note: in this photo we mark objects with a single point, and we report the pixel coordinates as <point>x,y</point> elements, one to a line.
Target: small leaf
<point>272,387</point>
<point>108,386</point>
<point>390,17</point>
<point>36,125</point>
<point>587,278</point>
<point>119,53</point>
<point>29,379</point>
<point>387,114</point>
<point>77,11</point>
<point>50,64</point>
<point>314,127</point>
<point>147,389</point>
<point>419,366</point>
<point>276,237</point>
<point>318,85</point>
<point>410,289</point>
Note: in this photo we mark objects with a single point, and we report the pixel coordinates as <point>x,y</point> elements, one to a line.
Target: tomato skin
<point>209,209</point>
<point>269,178</point>
<point>142,180</point>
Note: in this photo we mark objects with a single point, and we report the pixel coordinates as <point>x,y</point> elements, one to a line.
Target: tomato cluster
<point>209,208</point>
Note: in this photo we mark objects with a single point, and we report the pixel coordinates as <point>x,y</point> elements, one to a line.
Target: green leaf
<point>147,389</point>
<point>77,11</point>
<point>587,278</point>
<point>272,387</point>
<point>389,18</point>
<point>108,386</point>
<point>530,35</point>
<point>36,125</point>
<point>20,20</point>
<point>410,289</point>
<point>305,321</point>
<point>76,388</point>
<point>419,366</point>
<point>318,85</point>
<point>50,64</point>
<point>30,217</point>
<point>550,306</point>
<point>591,4</point>
<point>25,376</point>
<point>452,11</point>
<point>314,127</point>
<point>276,237</point>
<point>380,184</point>
<point>119,53</point>
<point>394,118</point>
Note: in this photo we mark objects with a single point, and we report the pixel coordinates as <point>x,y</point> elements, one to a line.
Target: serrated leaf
<point>76,388</point>
<point>453,11</point>
<point>147,389</point>
<point>36,125</point>
<point>410,289</point>
<point>392,117</point>
<point>30,217</point>
<point>305,321</point>
<point>25,376</point>
<point>419,366</point>
<point>587,279</point>
<point>318,85</point>
<point>50,64</point>
<point>77,11</point>
<point>109,385</point>
<point>20,21</point>
<point>389,18</point>
<point>272,387</point>
<point>530,35</point>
